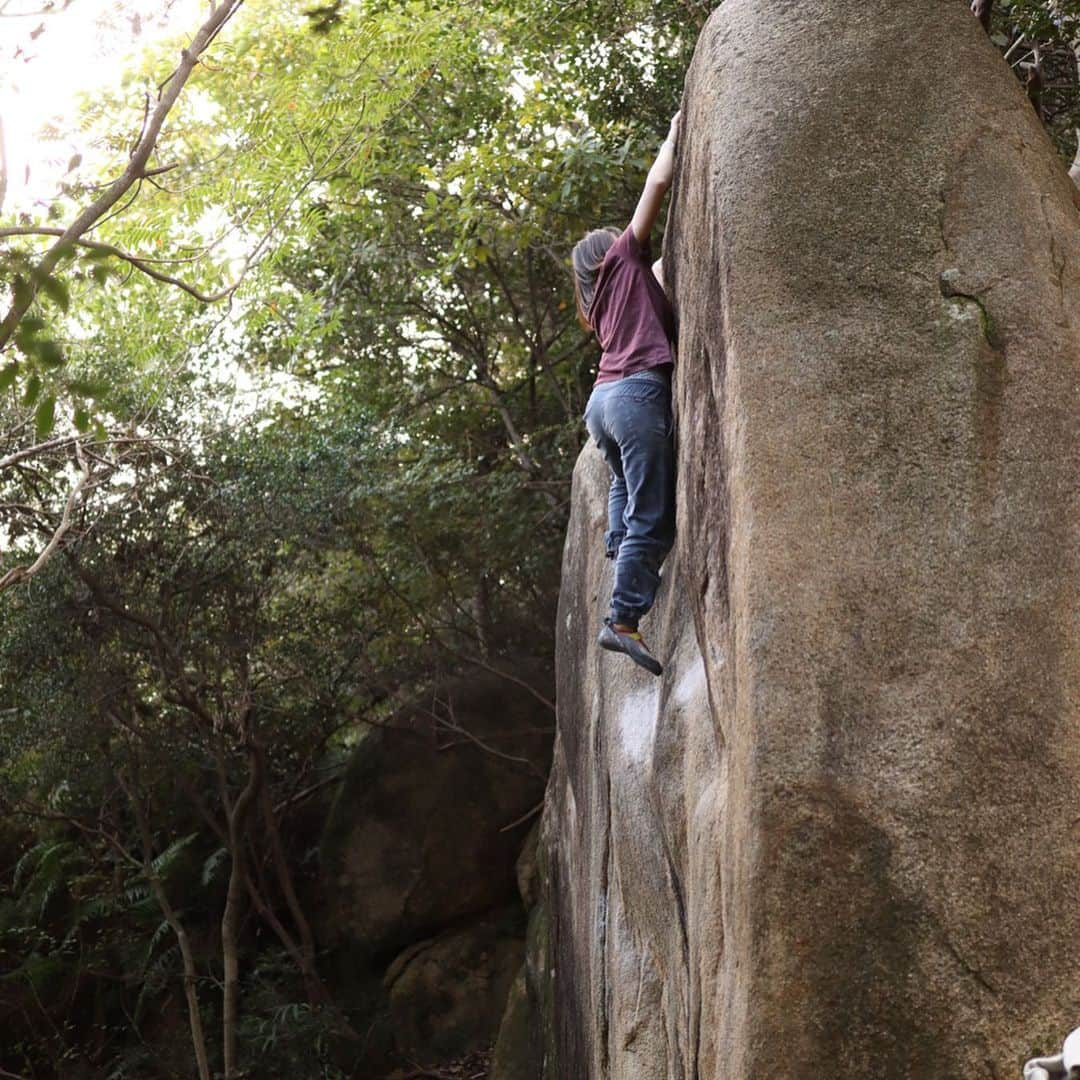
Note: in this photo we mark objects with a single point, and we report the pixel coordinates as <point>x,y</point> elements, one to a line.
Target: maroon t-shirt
<point>630,313</point>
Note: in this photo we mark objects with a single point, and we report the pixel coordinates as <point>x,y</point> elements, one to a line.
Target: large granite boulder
<point>513,1056</point>
<point>433,812</point>
<point>519,1051</point>
<point>448,995</point>
<point>839,837</point>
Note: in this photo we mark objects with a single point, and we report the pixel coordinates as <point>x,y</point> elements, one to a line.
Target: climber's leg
<point>594,417</point>
<point>638,417</point>
<point>613,538</point>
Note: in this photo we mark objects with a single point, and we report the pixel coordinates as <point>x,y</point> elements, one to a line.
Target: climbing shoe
<point>630,643</point>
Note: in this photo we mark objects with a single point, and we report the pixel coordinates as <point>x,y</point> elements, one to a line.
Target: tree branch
<point>135,171</point>
<point>18,574</point>
<point>138,262</point>
<point>59,443</point>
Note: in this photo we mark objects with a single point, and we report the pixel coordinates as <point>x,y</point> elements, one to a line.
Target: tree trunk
<point>230,919</point>
<point>187,956</point>
<point>316,991</point>
<point>302,952</point>
<point>482,615</point>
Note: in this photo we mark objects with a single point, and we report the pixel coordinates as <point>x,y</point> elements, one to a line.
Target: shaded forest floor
<point>473,1067</point>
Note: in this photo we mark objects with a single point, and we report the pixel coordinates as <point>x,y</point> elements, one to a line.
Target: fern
<point>25,861</point>
<point>155,939</point>
<point>163,863</point>
<point>213,864</point>
<point>156,978</point>
<point>33,859</point>
<point>40,874</point>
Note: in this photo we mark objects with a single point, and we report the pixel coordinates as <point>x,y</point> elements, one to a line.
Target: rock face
<point>448,995</point>
<point>418,909</point>
<point>514,1054</point>
<point>840,836</point>
<point>416,840</point>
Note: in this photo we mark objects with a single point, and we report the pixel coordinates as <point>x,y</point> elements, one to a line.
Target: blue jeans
<point>631,421</point>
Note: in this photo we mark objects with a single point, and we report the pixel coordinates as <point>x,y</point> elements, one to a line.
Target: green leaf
<point>25,342</point>
<point>91,388</point>
<point>23,293</point>
<point>45,415</point>
<point>33,389</point>
<point>213,864</point>
<point>164,862</point>
<point>56,291</point>
<point>81,420</point>
<point>49,354</point>
<point>7,375</point>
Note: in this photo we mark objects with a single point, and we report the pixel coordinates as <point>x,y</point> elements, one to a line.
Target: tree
<point>291,140</point>
<point>1040,39</point>
<point>21,331</point>
<point>181,660</point>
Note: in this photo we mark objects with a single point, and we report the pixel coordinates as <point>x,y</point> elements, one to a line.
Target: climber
<point>621,299</point>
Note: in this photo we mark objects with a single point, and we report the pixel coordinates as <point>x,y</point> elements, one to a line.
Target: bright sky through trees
<point>48,59</point>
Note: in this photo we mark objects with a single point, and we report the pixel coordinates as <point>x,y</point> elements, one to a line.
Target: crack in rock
<point>948,282</point>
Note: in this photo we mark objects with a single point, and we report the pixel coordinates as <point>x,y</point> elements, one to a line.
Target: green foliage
<point>286,1038</point>
<point>275,114</point>
<point>1041,21</point>
<point>361,461</point>
<point>73,928</point>
<point>1041,40</point>
<point>244,556</point>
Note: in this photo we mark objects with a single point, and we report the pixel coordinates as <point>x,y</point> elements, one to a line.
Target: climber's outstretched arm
<point>656,184</point>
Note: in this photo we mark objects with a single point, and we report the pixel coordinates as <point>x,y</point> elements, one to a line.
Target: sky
<point>47,61</point>
<point>48,57</point>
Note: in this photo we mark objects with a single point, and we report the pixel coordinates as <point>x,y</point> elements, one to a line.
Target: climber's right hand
<point>673,130</point>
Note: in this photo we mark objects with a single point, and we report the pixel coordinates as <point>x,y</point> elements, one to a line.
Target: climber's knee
<point>612,542</point>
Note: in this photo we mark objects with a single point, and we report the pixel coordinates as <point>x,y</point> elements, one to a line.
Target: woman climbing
<point>620,297</point>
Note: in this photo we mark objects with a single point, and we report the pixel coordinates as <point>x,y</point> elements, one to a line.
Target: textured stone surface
<point>514,1057</point>
<point>416,838</point>
<point>527,868</point>
<point>519,1052</point>
<point>448,995</point>
<point>840,837</point>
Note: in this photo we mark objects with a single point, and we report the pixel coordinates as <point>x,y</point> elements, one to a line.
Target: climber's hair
<point>588,254</point>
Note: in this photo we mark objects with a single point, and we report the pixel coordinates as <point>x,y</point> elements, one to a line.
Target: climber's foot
<point>618,638</point>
